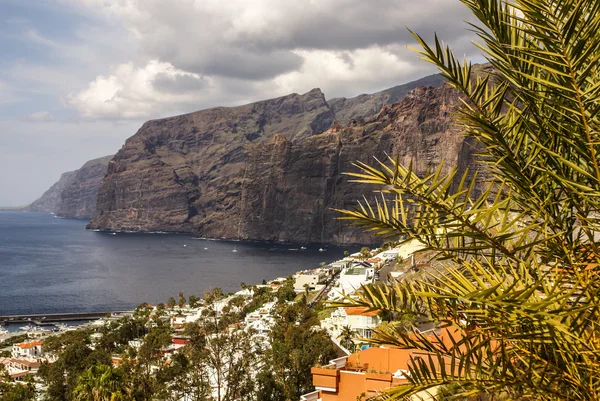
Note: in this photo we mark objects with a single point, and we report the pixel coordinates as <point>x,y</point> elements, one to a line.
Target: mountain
<point>74,194</point>
<point>364,106</point>
<point>50,199</point>
<point>273,170</point>
<point>78,197</point>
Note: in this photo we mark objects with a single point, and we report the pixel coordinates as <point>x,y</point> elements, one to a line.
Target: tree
<point>16,391</point>
<point>193,301</point>
<point>365,253</point>
<point>99,383</point>
<point>346,337</point>
<point>517,283</point>
<point>296,346</point>
<point>181,301</point>
<point>171,303</point>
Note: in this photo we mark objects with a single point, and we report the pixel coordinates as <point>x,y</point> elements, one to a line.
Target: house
<point>362,321</point>
<point>312,278</point>
<point>366,373</point>
<point>352,278</point>
<point>28,349</point>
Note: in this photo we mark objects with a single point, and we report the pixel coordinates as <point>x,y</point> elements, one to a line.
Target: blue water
<point>50,265</point>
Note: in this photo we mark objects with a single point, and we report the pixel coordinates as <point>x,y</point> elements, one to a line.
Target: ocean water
<point>51,265</point>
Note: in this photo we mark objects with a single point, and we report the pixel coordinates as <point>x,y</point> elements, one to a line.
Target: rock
<point>179,173</point>
<point>365,106</point>
<point>50,199</point>
<point>267,171</point>
<point>74,195</point>
<point>78,197</point>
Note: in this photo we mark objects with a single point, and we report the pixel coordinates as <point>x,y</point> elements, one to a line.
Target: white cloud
<point>136,92</point>
<point>224,53</point>
<point>40,116</point>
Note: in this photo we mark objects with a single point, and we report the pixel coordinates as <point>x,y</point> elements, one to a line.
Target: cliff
<point>175,173</point>
<point>74,194</point>
<point>367,105</point>
<point>78,197</point>
<point>270,170</point>
<point>50,199</point>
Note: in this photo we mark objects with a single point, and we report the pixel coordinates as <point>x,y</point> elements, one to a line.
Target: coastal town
<point>355,370</point>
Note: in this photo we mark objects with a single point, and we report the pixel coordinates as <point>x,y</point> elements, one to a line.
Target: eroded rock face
<point>74,195</point>
<point>290,189</point>
<point>78,197</point>
<point>266,171</point>
<point>366,106</point>
<point>50,199</point>
<point>180,173</point>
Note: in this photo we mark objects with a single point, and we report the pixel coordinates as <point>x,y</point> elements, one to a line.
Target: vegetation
<point>518,284</point>
<point>220,361</point>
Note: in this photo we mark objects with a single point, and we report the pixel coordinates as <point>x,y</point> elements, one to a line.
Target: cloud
<point>40,116</point>
<point>135,92</point>
<point>223,53</point>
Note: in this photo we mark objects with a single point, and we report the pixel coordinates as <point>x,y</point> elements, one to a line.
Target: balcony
<point>326,378</point>
<point>314,396</point>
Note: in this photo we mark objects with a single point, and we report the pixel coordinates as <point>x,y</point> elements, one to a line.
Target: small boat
<point>27,328</point>
<point>234,249</point>
<point>303,248</point>
<point>113,233</point>
<point>321,250</point>
<point>205,249</point>
<point>184,245</point>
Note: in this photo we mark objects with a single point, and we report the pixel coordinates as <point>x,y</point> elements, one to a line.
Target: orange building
<point>366,373</point>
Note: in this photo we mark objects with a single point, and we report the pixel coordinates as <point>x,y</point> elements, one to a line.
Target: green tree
<point>181,300</point>
<point>346,337</point>
<point>99,383</point>
<point>193,301</point>
<point>296,345</point>
<point>365,253</point>
<point>518,283</point>
<point>171,303</point>
<point>16,391</point>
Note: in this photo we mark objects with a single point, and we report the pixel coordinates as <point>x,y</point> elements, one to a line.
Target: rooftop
<point>361,310</point>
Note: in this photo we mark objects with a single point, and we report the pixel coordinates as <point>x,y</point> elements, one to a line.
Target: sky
<point>78,77</point>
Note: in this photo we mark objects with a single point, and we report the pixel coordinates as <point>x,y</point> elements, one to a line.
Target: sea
<point>54,265</point>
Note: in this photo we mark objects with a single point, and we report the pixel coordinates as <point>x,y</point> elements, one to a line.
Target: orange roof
<point>30,344</point>
<point>361,310</point>
<point>373,260</point>
<point>26,362</point>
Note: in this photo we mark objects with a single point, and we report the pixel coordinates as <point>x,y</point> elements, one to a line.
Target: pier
<point>49,318</point>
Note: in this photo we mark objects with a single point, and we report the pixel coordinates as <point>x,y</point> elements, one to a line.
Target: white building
<point>352,278</point>
<point>312,278</point>
<point>360,320</point>
<point>28,349</point>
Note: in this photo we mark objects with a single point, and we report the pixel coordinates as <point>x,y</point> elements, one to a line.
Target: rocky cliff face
<point>50,199</point>
<point>78,197</point>
<point>290,189</point>
<point>74,195</point>
<point>177,174</point>
<point>365,106</point>
<point>267,171</point>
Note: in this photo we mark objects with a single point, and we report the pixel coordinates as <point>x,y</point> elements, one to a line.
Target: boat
<point>3,331</point>
<point>321,250</point>
<point>113,233</point>
<point>303,248</point>
<point>184,245</point>
<point>234,249</point>
<point>27,328</point>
